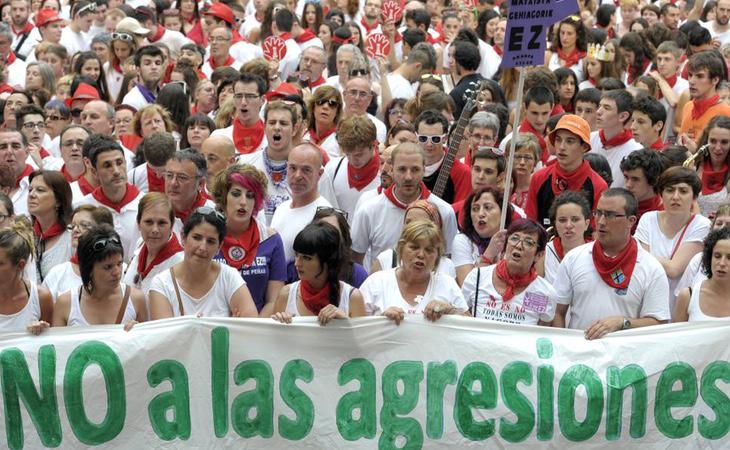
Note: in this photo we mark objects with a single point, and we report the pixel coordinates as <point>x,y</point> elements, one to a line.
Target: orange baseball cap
<point>576,125</point>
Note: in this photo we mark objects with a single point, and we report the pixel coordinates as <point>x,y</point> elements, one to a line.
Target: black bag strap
<point>20,45</point>
<point>476,291</point>
<point>337,169</point>
<point>394,260</point>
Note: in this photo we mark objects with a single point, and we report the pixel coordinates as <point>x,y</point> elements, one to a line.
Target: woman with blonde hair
<point>325,108</point>
<point>151,118</point>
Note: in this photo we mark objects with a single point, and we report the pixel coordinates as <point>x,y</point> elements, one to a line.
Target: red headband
<point>340,40</point>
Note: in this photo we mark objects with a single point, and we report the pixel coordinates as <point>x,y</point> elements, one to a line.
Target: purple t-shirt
<point>269,265</point>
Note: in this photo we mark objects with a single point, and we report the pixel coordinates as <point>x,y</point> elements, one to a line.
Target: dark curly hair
<point>468,224</point>
<point>651,163</point>
<point>710,242</point>
<point>97,244</point>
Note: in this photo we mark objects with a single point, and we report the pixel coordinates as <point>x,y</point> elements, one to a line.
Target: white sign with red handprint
<point>274,48</point>
<point>470,3</point>
<point>391,11</point>
<point>377,46</point>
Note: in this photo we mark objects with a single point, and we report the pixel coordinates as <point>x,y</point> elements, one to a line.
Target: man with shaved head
<point>219,153</point>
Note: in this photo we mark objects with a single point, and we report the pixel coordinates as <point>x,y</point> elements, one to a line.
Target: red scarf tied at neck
<point>171,247</point>
<point>623,137</point>
<point>183,215</point>
<point>657,145</point>
<point>526,127</point>
<point>671,81</point>
<point>391,196</point>
<point>574,181</point>
<point>573,58</point>
<point>27,171</point>
<point>514,281</point>
<point>307,35</point>
<point>713,180</point>
<point>240,251</point>
<point>131,194</point>
<point>314,300</point>
<point>699,107</point>
<point>616,271</point>
<point>155,183</point>
<point>317,138</point>
<point>359,178</point>
<point>55,230</point>
<point>247,139</point>
<point>369,28</point>
<point>228,62</point>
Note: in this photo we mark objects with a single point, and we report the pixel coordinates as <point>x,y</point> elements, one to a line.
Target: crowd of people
<point>266,158</point>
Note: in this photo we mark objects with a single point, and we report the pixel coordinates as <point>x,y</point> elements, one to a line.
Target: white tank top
<point>21,319</point>
<point>76,317</point>
<point>345,292</point>
<point>694,311</point>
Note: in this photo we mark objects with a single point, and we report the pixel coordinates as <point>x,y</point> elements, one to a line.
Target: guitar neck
<point>454,142</point>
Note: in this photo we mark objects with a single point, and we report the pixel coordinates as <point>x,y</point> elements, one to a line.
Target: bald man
<point>219,153</point>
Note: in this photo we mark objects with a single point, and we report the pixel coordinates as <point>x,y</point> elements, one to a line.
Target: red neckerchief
<point>158,34</point>
<point>557,109</point>
<point>183,215</point>
<point>650,204</point>
<point>318,82</point>
<point>314,300</point>
<point>240,251</point>
<point>620,139</point>
<point>155,183</point>
<point>633,75</point>
<point>317,139</point>
<point>44,153</point>
<point>369,28</point>
<point>593,81</point>
<point>569,108</point>
<point>117,67</point>
<point>10,58</point>
<point>131,141</point>
<point>563,181</point>
<point>27,171</point>
<point>285,36</point>
<point>131,194</point>
<point>75,258</point>
<point>616,272</point>
<point>246,139</point>
<point>513,281</point>
<point>228,62</point>
<point>391,196</point>
<point>671,81</point>
<point>699,107</point>
<point>526,127</point>
<point>26,29</point>
<point>85,186</point>
<point>657,145</point>
<point>171,247</point>
<point>68,176</point>
<point>359,178</point>
<point>713,180</point>
<point>306,36</point>
<point>236,37</point>
<point>574,58</point>
<point>55,230</point>
<point>498,50</point>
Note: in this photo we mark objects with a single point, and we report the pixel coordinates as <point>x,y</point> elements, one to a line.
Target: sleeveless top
<point>345,292</point>
<point>76,317</point>
<point>694,310</point>
<point>21,319</point>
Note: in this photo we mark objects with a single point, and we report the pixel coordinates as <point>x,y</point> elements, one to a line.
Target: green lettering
<point>396,405</point>
<point>219,339</point>
<point>42,408</point>
<point>176,400</point>
<point>545,391</point>
<point>261,398</point>
<point>570,427</point>
<point>667,398</point>
<point>362,400</point>
<point>716,399</point>
<point>438,376</point>
<point>467,398</point>
<point>514,373</point>
<point>86,354</point>
<point>618,380</point>
<point>297,400</point>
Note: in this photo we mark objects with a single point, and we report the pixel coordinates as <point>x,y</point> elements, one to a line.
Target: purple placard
<point>535,301</point>
<point>527,22</point>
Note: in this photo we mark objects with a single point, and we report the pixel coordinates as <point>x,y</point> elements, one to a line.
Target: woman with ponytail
<point>319,292</point>
<point>23,304</point>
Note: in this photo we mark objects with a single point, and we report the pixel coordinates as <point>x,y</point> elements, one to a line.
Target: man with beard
<point>185,174</point>
<point>247,130</point>
<point>220,47</point>
<point>370,22</point>
<point>149,61</point>
<point>272,160</point>
<point>311,67</point>
<point>26,35</point>
<point>14,153</point>
<point>467,60</point>
<point>720,27</point>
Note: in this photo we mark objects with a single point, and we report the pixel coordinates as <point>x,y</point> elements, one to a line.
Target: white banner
<point>248,383</point>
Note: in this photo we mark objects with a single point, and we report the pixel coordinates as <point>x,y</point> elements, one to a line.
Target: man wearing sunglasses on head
<point>74,37</point>
<point>432,130</point>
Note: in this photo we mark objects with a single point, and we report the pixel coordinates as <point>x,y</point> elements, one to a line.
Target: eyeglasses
<point>70,143</point>
<point>181,177</point>
<point>76,112</point>
<point>358,94</point>
<point>31,125</point>
<point>208,211</point>
<point>609,215</point>
<point>435,139</point>
<point>248,97</point>
<point>311,61</point>
<point>527,243</point>
<point>396,112</point>
<point>332,103</point>
<point>524,157</point>
<point>103,243</point>
<point>330,210</point>
<point>122,37</point>
<point>83,226</point>
<point>359,73</point>
<point>55,118</point>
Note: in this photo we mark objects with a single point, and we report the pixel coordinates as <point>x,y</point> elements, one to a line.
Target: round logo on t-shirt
<point>236,253</point>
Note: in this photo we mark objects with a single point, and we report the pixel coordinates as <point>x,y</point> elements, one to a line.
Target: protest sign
<point>460,383</point>
<point>391,11</point>
<point>274,48</point>
<point>377,45</point>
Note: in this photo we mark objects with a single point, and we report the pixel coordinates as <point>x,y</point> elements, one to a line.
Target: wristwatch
<point>627,324</point>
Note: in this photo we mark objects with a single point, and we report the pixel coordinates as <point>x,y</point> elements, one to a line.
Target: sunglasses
<point>359,73</point>
<point>330,211</point>
<point>207,211</point>
<point>332,103</point>
<point>436,139</point>
<point>103,243</point>
<point>90,7</point>
<point>122,37</point>
<point>76,112</point>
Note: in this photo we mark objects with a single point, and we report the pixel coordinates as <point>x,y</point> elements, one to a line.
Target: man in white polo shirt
<point>378,221</point>
<point>611,284</point>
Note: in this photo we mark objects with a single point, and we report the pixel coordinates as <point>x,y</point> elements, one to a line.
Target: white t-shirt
<point>20,198</point>
<point>489,63</point>
<point>537,302</point>
<point>31,312</point>
<point>649,233</point>
<point>113,80</point>
<point>551,263</point>
<point>464,251</point>
<point>288,222</point>
<point>56,255</point>
<point>135,98</point>
<point>130,275</point>
<point>61,279</point>
<point>74,42</point>
<point>336,189</point>
<point>579,285</point>
<point>344,304</point>
<point>724,37</point>
<point>276,193</point>
<point>288,65</point>
<point>76,316</point>
<point>380,291</point>
<point>577,68</point>
<point>445,266</point>
<point>215,303</point>
<point>245,51</point>
<point>692,274</point>
<point>614,155</point>
<point>400,87</point>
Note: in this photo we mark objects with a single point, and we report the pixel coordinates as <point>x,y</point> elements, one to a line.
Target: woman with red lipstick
<point>708,299</point>
<point>714,167</point>
<point>511,291</point>
<point>571,214</point>
<point>674,235</point>
<point>253,249</point>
